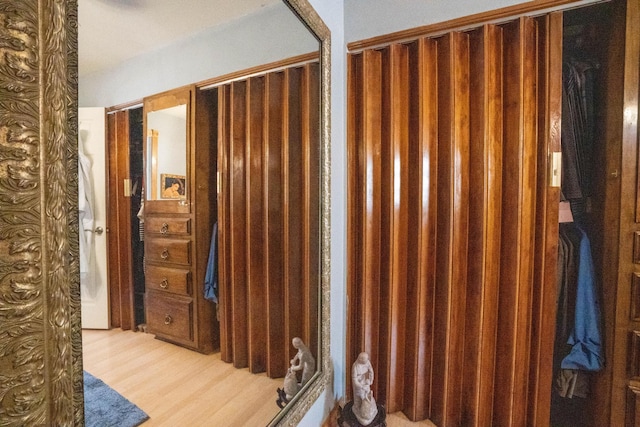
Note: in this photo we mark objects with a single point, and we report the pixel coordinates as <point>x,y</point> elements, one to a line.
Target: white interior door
<point>93,250</point>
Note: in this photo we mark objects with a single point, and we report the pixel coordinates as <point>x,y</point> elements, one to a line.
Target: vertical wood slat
<point>204,160</point>
<point>544,296</point>
<point>355,191</point>
<point>277,344</point>
<point>293,170</point>
<point>365,290</point>
<point>514,323</point>
<point>256,294</point>
<point>453,197</point>
<point>421,260</point>
<point>121,272</point>
<point>224,231</point>
<point>398,227</point>
<point>237,243</point>
<point>112,221</point>
<point>269,219</point>
<point>484,224</point>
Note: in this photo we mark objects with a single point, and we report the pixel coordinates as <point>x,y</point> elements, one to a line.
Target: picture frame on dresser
<point>168,184</point>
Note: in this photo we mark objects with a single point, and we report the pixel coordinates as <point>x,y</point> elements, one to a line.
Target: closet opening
<point>136,172</point>
<point>589,212</point>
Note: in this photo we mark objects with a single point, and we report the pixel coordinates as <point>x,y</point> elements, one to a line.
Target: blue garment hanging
<point>211,277</point>
<point>586,337</point>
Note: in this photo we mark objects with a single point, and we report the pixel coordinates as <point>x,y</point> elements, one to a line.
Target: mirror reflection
<point>242,156</point>
<point>167,153</point>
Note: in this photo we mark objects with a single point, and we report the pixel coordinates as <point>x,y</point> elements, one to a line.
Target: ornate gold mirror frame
<point>40,334</point>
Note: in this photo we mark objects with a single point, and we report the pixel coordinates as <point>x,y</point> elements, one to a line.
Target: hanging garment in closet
<point>211,277</point>
<point>585,339</point>
<point>578,130</point>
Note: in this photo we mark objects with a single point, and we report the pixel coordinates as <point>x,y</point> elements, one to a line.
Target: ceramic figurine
<point>364,405</point>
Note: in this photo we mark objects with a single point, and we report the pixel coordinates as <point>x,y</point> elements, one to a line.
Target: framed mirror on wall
<point>42,335</point>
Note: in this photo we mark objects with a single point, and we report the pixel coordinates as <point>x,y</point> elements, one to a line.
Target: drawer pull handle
<point>165,228</point>
<point>165,254</point>
<point>167,319</point>
<point>164,284</point>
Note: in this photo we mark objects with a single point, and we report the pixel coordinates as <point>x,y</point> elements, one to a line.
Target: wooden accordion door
<point>269,217</point>
<point>452,226</point>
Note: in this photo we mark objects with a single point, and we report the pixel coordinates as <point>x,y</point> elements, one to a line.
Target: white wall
<point>271,34</point>
<point>369,18</point>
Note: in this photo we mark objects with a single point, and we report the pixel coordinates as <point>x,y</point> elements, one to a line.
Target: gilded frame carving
<point>40,334</point>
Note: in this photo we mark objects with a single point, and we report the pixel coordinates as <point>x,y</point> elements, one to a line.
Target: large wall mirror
<point>40,330</point>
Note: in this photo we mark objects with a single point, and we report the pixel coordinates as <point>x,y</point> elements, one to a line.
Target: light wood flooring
<point>180,387</point>
<point>176,386</point>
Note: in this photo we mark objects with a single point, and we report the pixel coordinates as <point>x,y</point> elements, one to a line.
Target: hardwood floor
<point>180,387</point>
<point>176,386</point>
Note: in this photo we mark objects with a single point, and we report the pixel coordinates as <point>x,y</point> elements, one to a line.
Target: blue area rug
<point>105,407</point>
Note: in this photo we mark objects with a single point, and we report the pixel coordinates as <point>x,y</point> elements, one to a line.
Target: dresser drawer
<point>164,225</point>
<point>163,250</point>
<point>175,280</point>
<point>169,316</point>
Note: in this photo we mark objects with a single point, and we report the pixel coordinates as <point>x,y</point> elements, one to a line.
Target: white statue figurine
<point>303,360</point>
<point>364,405</point>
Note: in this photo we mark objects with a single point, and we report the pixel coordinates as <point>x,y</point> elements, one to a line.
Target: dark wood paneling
<point>278,343</point>
<point>292,209</point>
<point>485,176</point>
<point>453,214</point>
<point>224,224</point>
<point>398,180</point>
<point>370,159</point>
<point>119,223</point>
<point>546,252</point>
<point>238,241</point>
<point>269,129</point>
<point>112,222</point>
<point>355,195</point>
<point>444,146</point>
<point>423,143</point>
<point>256,253</point>
<point>518,221</point>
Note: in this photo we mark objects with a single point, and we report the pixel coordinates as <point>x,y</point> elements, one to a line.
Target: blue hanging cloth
<point>586,337</point>
<point>211,278</point>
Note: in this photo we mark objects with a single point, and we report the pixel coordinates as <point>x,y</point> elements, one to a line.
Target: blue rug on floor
<point>105,407</point>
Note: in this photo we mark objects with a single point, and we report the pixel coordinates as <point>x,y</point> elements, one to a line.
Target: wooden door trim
<point>629,212</point>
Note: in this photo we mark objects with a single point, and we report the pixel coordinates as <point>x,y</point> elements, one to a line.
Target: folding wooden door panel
<point>448,141</point>
<point>269,217</point>
<point>121,292</point>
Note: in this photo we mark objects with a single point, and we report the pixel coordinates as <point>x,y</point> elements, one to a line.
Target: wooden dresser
<point>177,234</point>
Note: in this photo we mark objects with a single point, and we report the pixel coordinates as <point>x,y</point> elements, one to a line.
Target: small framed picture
<point>172,186</point>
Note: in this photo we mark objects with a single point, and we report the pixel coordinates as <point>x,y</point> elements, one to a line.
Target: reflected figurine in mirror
<point>302,361</point>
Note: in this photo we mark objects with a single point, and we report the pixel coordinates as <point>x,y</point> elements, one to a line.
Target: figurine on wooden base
<point>363,411</point>
<point>302,361</point>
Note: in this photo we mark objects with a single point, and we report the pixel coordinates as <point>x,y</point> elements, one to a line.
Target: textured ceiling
<point>112,31</point>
